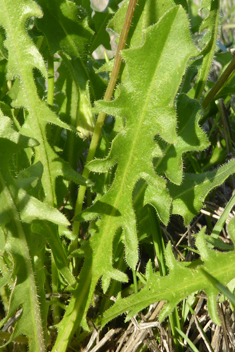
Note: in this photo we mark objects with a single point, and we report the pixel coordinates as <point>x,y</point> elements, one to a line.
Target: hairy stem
<point>101,116</point>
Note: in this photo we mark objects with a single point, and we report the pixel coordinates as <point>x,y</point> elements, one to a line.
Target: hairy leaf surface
<point>190,138</point>
<point>17,211</point>
<point>146,101</point>
<point>179,283</point>
<point>189,196</point>
<point>23,58</point>
<point>152,113</point>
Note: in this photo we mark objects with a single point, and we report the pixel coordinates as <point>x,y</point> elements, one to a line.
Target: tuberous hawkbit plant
<point>97,156</point>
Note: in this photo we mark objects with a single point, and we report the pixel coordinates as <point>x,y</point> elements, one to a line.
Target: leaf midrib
<point>32,98</point>
<point>217,175</point>
<point>12,208</point>
<point>135,139</point>
<point>164,294</point>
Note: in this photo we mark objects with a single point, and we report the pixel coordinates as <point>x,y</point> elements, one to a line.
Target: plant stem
<point>225,121</point>
<point>56,311</point>
<point>74,313</point>
<point>83,293</point>
<point>51,80</point>
<point>208,55</point>
<point>50,101</point>
<point>102,115</point>
<point>219,84</point>
<point>135,281</point>
<point>50,88</point>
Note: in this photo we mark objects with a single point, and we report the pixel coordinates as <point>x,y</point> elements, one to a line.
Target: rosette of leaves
<point>146,102</point>
<point>18,211</point>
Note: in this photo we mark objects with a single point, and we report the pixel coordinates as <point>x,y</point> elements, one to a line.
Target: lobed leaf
<point>23,58</point>
<point>17,211</point>
<point>152,113</point>
<point>151,98</point>
<point>190,138</point>
<point>179,283</point>
<point>12,201</point>
<point>189,196</point>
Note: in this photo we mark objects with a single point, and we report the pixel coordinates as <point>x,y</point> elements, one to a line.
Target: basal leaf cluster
<point>68,220</point>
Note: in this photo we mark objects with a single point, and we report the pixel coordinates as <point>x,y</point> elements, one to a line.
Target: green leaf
<point>218,243</point>
<point>50,233</point>
<point>224,216</point>
<point>211,25</point>
<point>17,210</point>
<point>189,196</point>
<point>154,100</point>
<point>151,98</point>
<point>101,35</point>
<point>190,138</point>
<point>4,280</point>
<point>12,202</point>
<point>76,89</point>
<point>193,347</point>
<point>220,287</point>
<point>146,14</point>
<point>179,283</point>
<point>3,50</point>
<point>23,58</point>
<point>195,19</point>
<point>72,32</point>
<point>231,229</point>
<point>66,30</point>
